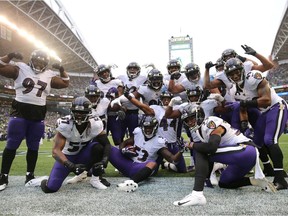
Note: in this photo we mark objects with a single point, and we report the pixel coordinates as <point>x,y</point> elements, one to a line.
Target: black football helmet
<point>93,93</point>
<point>165,94</point>
<point>193,116</point>
<point>234,70</point>
<point>81,110</point>
<point>100,73</point>
<point>133,70</point>
<point>39,61</point>
<point>155,79</point>
<point>192,72</point>
<point>227,54</point>
<point>149,126</point>
<point>196,93</point>
<point>219,64</point>
<point>173,65</point>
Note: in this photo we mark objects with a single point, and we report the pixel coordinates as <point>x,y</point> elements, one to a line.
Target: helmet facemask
<point>193,117</point>
<point>149,127</point>
<point>81,110</point>
<point>39,61</point>
<point>133,70</point>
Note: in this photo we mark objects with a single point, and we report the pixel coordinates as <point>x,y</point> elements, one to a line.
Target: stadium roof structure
<point>280,47</point>
<point>53,26</point>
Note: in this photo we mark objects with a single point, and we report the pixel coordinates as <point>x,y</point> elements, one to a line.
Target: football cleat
<point>213,179</point>
<point>127,186</point>
<point>264,184</point>
<point>280,184</point>
<point>96,183</point>
<point>29,177</point>
<point>3,181</point>
<point>105,182</point>
<point>191,199</point>
<point>36,182</point>
<point>77,178</point>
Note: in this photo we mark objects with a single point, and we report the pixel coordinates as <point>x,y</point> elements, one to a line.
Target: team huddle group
<point>232,121</point>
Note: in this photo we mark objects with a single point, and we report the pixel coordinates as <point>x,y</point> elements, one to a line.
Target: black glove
<point>248,50</point>
<point>129,151</point>
<point>58,66</point>
<point>209,65</point>
<point>105,161</point>
<point>15,55</point>
<point>181,145</point>
<point>75,168</point>
<point>121,115</point>
<point>127,93</point>
<point>175,75</point>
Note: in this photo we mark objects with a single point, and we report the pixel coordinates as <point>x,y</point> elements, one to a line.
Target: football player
<point>33,83</point>
<point>271,123</point>
<point>168,128</point>
<point>114,87</point>
<point>192,80</point>
<point>221,143</point>
<point>80,144</point>
<point>138,155</point>
<point>132,80</point>
<point>99,108</point>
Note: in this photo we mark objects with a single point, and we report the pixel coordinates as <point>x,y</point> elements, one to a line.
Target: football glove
<point>121,115</point>
<point>175,75</point>
<point>175,101</point>
<point>209,65</point>
<point>75,168</point>
<point>129,151</point>
<point>58,67</point>
<point>15,55</point>
<point>248,50</point>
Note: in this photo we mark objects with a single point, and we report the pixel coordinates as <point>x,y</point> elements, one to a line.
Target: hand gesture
<point>175,75</point>
<point>248,50</point>
<point>209,65</point>
<point>175,101</point>
<point>15,55</point>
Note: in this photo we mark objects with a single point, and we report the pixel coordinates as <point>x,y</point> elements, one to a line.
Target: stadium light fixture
<point>29,37</point>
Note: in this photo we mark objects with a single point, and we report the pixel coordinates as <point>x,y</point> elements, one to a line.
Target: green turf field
<point>45,160</point>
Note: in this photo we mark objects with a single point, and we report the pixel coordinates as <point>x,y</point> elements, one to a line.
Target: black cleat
<point>3,181</point>
<point>29,177</point>
<point>280,184</point>
<point>105,182</point>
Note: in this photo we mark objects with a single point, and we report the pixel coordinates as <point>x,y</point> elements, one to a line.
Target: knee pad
<point>44,187</point>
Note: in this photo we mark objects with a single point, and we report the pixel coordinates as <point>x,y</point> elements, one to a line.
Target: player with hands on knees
<point>79,145</point>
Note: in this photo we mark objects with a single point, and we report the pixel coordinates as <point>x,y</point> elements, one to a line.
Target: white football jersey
<point>167,127</point>
<point>252,80</point>
<point>191,85</point>
<point>32,88</point>
<point>231,137</point>
<point>147,150</point>
<point>136,82</point>
<point>150,96</point>
<point>104,87</point>
<point>166,80</point>
<point>75,141</point>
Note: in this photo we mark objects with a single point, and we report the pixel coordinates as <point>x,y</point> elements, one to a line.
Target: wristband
<point>249,103</point>
<point>3,63</point>
<point>65,78</point>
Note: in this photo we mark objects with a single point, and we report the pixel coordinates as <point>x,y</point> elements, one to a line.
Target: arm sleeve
<point>210,147</point>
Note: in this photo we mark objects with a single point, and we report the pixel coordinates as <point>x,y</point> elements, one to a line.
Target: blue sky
<point>121,31</point>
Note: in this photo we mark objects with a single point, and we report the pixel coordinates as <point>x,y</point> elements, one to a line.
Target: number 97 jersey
<point>75,141</point>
